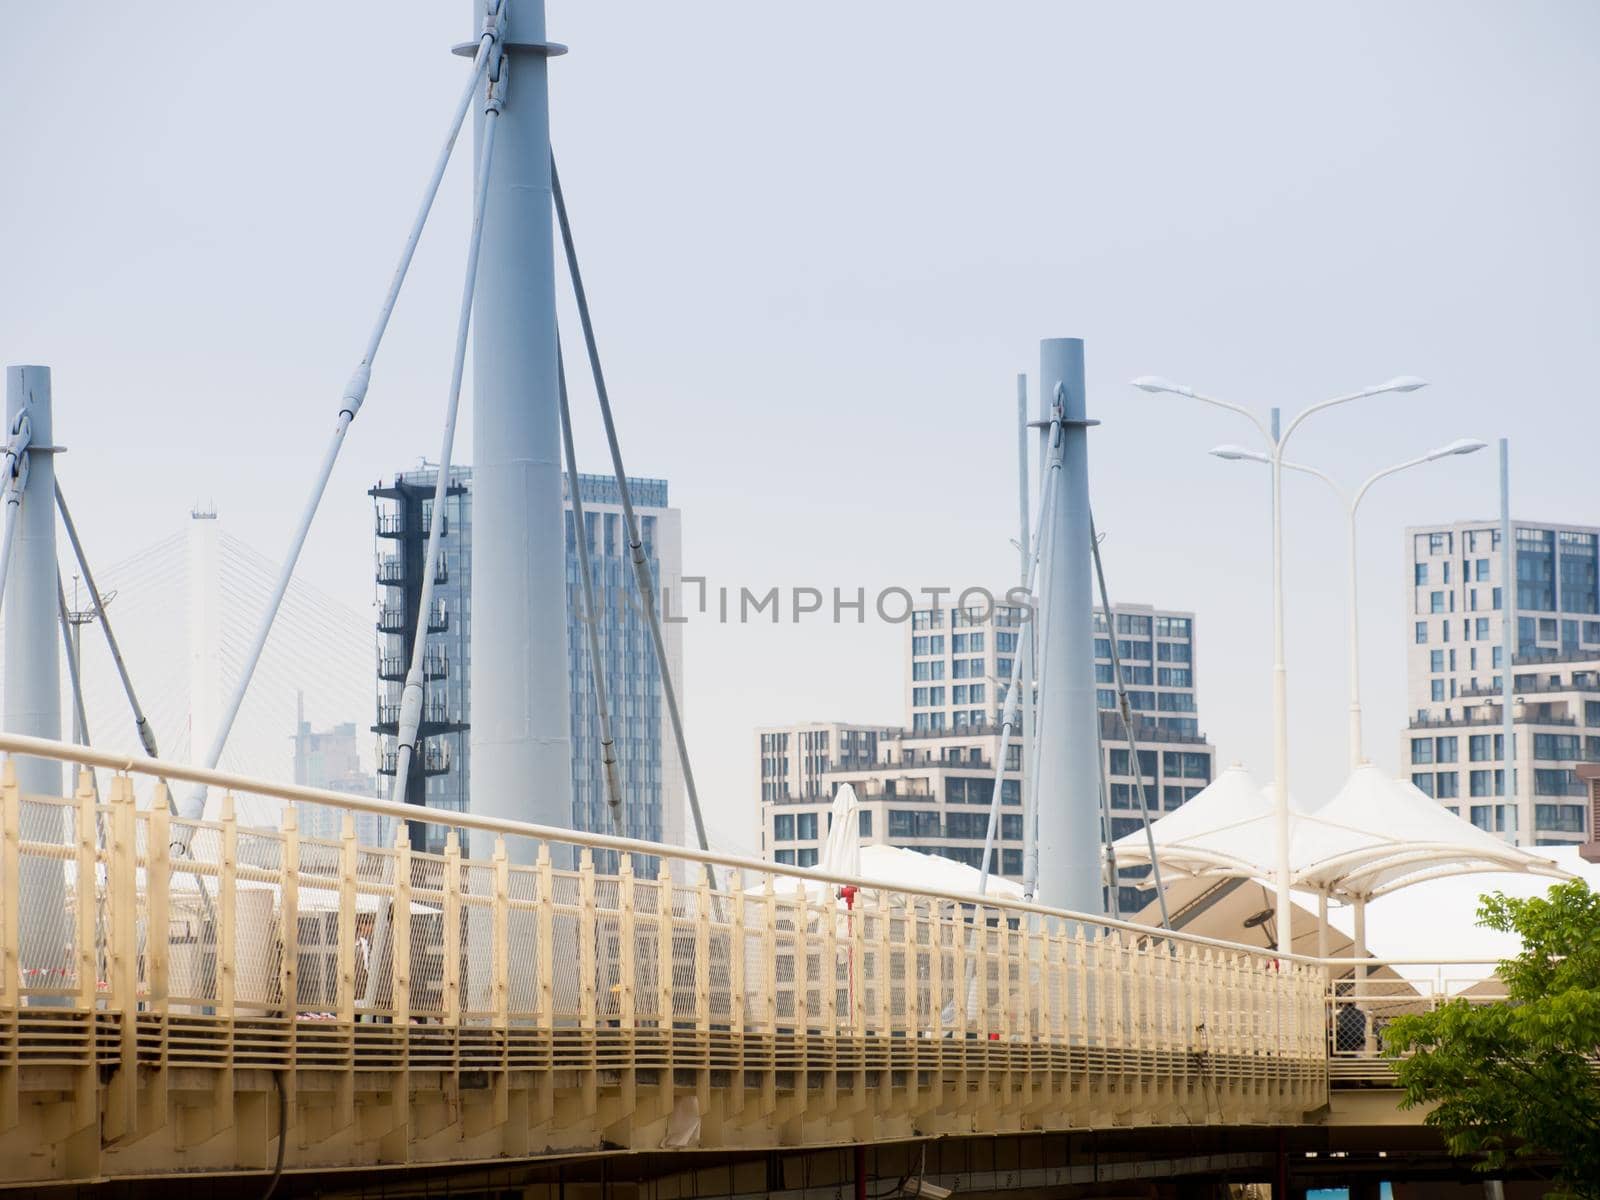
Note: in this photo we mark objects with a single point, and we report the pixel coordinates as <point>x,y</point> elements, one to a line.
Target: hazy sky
<point>820,241</point>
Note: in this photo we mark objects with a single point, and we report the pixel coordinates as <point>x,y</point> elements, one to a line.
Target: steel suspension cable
<point>141,724</point>
<point>411,698</point>
<point>1014,691</point>
<point>1126,711</point>
<point>355,393</point>
<point>590,618</point>
<point>641,565</point>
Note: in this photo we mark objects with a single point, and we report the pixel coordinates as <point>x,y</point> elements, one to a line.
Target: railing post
<point>450,935</point>
<point>885,972</point>
<point>664,1009</point>
<point>829,961</point>
<point>736,953</point>
<point>502,936</point>
<point>349,862</point>
<point>87,900</point>
<point>702,955</point>
<point>228,910</point>
<point>122,953</point>
<point>627,964</point>
<point>289,913</point>
<point>586,938</point>
<point>400,927</point>
<point>10,870</point>
<point>769,955</point>
<point>158,900</point>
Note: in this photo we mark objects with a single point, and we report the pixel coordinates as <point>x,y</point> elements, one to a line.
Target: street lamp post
<point>1352,502</point>
<point>1276,442</point>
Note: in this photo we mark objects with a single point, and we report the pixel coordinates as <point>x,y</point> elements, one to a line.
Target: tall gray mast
<point>1068,779</point>
<point>521,723</point>
<point>33,668</point>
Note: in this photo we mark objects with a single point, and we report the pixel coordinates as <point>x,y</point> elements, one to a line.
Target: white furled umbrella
<point>841,851</point>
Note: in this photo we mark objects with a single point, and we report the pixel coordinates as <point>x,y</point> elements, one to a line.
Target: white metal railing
<point>547,928</point>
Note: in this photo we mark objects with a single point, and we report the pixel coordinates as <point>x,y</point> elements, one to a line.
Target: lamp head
<point>1154,383</point>
<point>1400,383</point>
<point>1239,454</point>
<point>1459,446</point>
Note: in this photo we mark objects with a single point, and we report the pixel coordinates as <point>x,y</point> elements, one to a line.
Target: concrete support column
<point>33,676</point>
<point>1068,781</point>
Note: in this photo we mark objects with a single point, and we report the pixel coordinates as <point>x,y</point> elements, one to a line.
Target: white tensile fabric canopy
<point>1374,836</point>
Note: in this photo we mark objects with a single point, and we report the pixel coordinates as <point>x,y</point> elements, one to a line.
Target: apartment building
<point>1454,744</point>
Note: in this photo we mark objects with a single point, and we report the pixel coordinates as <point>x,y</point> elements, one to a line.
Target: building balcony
<point>393,620</point>
<point>1532,689</point>
<point>394,669</point>
<point>434,760</point>
<point>1491,719</point>
<point>391,571</point>
<point>393,525</point>
<point>434,712</point>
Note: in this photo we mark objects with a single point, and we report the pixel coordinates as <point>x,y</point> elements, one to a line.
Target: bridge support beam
<point>33,679</point>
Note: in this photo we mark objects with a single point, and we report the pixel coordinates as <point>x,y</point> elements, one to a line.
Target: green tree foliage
<point>1519,1078</point>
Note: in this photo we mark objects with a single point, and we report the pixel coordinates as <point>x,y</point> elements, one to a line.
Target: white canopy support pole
<point>1359,952</point>
<point>590,617</point>
<point>141,725</point>
<point>355,393</point>
<point>1322,923</point>
<point>412,696</point>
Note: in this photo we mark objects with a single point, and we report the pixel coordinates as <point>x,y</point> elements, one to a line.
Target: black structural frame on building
<point>405,527</point>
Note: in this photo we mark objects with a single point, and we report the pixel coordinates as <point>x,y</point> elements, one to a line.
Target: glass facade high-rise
<point>1455,664</point>
<point>651,777</point>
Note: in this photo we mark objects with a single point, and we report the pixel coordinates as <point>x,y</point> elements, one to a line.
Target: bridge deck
<point>209,988</point>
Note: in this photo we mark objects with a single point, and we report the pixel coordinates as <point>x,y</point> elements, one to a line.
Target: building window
<point>1447,785</point>
<point>1557,747</point>
<point>1011,862</point>
<point>1558,818</point>
<point>1552,782</point>
<point>1421,751</point>
<point>783,827</point>
<point>806,857</point>
<point>1445,750</point>
<point>1422,633</point>
<point>864,822</point>
<point>1436,661</point>
<point>1424,781</point>
<point>806,827</point>
<point>1436,602</point>
<point>1176,652</point>
<point>1436,690</point>
<point>1483,816</point>
<point>784,858</point>
<point>1421,579</point>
